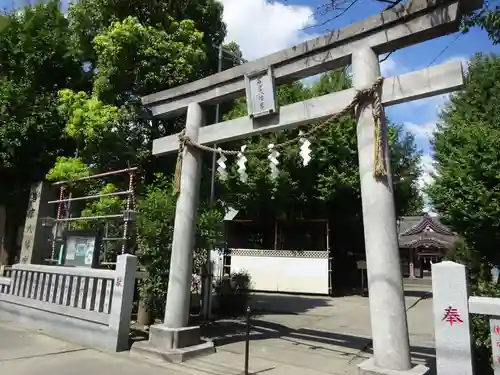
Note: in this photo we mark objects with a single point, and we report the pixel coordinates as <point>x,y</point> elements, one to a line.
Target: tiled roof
<point>426,231</point>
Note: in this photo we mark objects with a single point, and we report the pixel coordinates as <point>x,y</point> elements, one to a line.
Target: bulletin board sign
<point>82,248</point>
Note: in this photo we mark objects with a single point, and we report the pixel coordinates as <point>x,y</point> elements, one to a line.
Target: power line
<point>445,49</point>
<point>344,11</point>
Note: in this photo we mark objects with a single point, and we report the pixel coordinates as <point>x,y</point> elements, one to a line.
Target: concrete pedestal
<point>173,345</point>
<point>368,368</point>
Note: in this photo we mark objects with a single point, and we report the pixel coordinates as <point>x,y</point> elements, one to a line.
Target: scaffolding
<point>64,218</point>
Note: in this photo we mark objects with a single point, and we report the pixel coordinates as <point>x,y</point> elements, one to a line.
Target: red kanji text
<point>452,316</point>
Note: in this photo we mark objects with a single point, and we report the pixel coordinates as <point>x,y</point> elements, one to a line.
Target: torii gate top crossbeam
<point>415,85</point>
<point>399,27</point>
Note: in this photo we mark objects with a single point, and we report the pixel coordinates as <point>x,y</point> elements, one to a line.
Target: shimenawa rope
<point>373,93</point>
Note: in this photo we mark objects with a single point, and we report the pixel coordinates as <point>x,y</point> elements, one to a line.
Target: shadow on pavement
<point>418,293</point>
<point>136,335</point>
<point>287,304</point>
<point>229,332</point>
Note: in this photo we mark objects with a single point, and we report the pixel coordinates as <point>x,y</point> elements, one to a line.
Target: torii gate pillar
<point>387,305</point>
<point>175,340</point>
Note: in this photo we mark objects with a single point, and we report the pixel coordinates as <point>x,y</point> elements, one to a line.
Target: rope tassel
<point>379,164</point>
<point>178,164</point>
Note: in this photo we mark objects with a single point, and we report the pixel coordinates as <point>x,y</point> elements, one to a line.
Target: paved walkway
<point>296,336</point>
<point>29,353</point>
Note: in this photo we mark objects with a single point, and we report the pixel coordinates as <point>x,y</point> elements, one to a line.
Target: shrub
<point>233,293</point>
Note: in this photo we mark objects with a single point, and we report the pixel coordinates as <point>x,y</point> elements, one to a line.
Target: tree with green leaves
<point>487,18</point>
<point>301,192</point>
<point>467,153</point>
<point>36,62</point>
<point>466,187</point>
<point>89,18</point>
<point>129,54</point>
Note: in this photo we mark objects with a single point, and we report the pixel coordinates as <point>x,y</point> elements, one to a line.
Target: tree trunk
<point>144,315</point>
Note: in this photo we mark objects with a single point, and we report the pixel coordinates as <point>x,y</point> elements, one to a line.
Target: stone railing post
<point>451,319</point>
<point>122,299</point>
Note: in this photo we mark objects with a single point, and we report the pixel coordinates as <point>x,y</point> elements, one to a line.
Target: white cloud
<point>428,172</point>
<point>261,27</point>
<point>388,67</point>
<point>421,131</point>
<point>463,59</point>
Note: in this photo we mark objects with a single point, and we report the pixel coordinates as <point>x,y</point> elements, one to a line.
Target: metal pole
<point>247,341</point>
<point>97,196</point>
<point>217,119</point>
<point>129,201</point>
<point>207,283</point>
<point>56,225</point>
<point>96,176</point>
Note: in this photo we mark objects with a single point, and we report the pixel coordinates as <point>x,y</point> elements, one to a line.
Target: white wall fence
<point>91,307</point>
<point>452,305</point>
<point>284,270</point>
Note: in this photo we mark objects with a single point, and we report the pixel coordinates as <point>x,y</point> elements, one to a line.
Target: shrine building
<point>423,240</point>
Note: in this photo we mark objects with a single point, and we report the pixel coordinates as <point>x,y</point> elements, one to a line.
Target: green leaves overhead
<point>36,62</point>
<point>488,19</point>
<point>89,18</point>
<point>135,60</point>
<point>88,117</point>
<point>67,168</point>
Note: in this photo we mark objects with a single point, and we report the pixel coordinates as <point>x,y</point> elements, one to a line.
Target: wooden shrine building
<point>423,240</point>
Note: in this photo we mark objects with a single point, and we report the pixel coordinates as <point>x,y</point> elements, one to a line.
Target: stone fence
<point>90,307</point>
<point>452,305</point>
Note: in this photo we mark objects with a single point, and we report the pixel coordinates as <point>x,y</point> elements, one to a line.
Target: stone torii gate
<point>359,44</point>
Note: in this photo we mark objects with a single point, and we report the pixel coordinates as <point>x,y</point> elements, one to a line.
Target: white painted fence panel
<point>304,272</point>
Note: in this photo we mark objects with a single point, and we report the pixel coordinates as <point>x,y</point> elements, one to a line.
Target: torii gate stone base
<point>359,43</point>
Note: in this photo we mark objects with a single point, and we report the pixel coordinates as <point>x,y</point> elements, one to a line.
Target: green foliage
<point>154,241</point>
<point>89,18</point>
<point>467,151</point>
<point>101,206</point>
<point>155,234</point>
<point>36,62</point>
<point>466,188</point>
<point>88,117</point>
<point>67,168</point>
<point>405,159</point>
<point>208,235</point>
<point>233,293</point>
<point>329,185</point>
<point>488,19</point>
<point>130,50</point>
<point>137,59</point>
<point>105,205</point>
